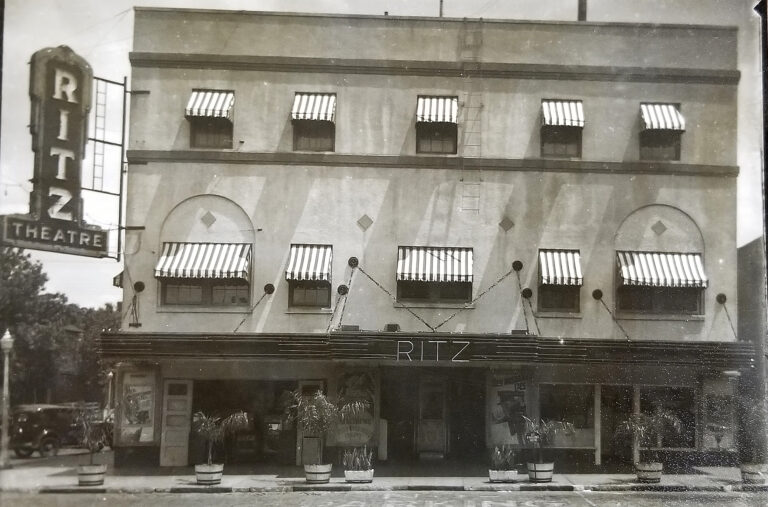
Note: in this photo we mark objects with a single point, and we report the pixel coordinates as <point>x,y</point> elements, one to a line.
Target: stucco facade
<point>497,195</point>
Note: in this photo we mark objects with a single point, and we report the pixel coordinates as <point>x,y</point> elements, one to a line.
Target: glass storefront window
<point>571,403</point>
<point>681,402</point>
<point>137,408</point>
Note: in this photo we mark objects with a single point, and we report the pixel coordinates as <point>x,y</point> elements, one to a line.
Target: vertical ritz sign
<point>60,94</point>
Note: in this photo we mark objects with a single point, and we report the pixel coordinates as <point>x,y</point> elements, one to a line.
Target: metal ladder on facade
<point>471,112</point>
<point>99,132</point>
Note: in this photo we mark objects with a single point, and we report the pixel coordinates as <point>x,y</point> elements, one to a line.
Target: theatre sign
<point>60,93</point>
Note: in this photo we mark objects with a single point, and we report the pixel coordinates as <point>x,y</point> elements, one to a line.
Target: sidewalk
<point>60,476</point>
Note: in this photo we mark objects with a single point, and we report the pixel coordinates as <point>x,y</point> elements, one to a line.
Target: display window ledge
<point>298,310</point>
<point>556,315</point>
<point>660,316</point>
<point>204,309</point>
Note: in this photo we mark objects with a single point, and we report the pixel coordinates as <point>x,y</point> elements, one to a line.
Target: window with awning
<point>314,121</point>
<point>210,114</point>
<point>561,124</point>
<point>662,117</point>
<point>437,109</point>
<point>660,282</point>
<point>560,280</point>
<point>117,280</point>
<point>436,124</point>
<point>309,275</point>
<point>434,274</point>
<point>661,129</point>
<point>562,113</point>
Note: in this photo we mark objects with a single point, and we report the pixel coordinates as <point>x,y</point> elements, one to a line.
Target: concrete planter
<point>754,473</point>
<point>317,474</point>
<point>502,475</point>
<point>91,475</point>
<point>358,475</point>
<point>649,472</point>
<point>209,475</point>
<point>540,472</point>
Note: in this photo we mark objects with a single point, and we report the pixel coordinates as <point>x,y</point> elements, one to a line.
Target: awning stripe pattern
<point>210,104</point>
<point>661,117</point>
<point>204,260</point>
<point>560,267</point>
<point>314,106</point>
<point>434,264</point>
<point>437,109</point>
<point>562,113</point>
<point>655,269</point>
<point>309,262</point>
<point>117,280</point>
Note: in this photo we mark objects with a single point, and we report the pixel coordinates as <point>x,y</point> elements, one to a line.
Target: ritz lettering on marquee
<point>60,93</point>
<point>432,350</point>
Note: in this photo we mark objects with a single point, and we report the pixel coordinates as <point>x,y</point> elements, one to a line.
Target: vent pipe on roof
<point>441,8</point>
<point>582,10</point>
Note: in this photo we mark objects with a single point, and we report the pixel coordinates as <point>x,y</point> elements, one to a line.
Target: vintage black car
<point>43,428</point>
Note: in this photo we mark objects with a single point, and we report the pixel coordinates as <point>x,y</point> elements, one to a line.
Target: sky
<point>101,32</point>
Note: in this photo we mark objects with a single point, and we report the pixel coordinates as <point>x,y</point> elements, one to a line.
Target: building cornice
<point>434,68</point>
<point>427,162</point>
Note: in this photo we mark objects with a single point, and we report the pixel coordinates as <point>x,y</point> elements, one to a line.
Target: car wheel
<point>49,447</point>
<point>23,453</point>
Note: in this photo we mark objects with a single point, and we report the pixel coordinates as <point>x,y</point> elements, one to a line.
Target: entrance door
<point>432,429</point>
<point>309,448</point>
<point>615,407</point>
<point>177,421</point>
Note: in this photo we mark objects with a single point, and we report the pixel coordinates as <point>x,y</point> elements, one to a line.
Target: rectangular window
<point>661,300</point>
<point>660,145</point>
<point>681,402</point>
<point>310,293</point>
<point>314,135</point>
<point>210,133</point>
<point>434,292</point>
<point>559,141</point>
<point>206,292</point>
<point>559,298</point>
<point>572,403</point>
<point>436,137</point>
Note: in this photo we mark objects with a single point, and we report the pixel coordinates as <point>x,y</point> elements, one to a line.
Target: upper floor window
<point>204,274</point>
<point>436,124</point>
<point>660,283</point>
<point>313,116</point>
<point>561,124</point>
<point>560,280</point>
<point>434,274</point>
<point>309,275</point>
<point>210,114</point>
<point>662,128</point>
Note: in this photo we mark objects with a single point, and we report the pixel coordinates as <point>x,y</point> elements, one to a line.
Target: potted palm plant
<point>358,464</point>
<point>503,467</point>
<point>315,415</point>
<point>91,435</point>
<point>214,430</point>
<point>649,428</point>
<point>541,434</point>
<point>754,458</point>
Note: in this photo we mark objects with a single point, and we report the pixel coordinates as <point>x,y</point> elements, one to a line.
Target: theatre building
<point>460,221</point>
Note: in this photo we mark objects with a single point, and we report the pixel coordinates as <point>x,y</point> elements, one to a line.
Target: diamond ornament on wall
<point>506,223</point>
<point>659,228</point>
<point>208,219</point>
<point>365,222</point>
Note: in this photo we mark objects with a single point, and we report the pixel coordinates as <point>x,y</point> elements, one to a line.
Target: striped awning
<point>655,269</point>
<point>210,104</point>
<point>204,260</point>
<point>661,117</point>
<point>314,106</point>
<point>117,280</point>
<point>309,262</point>
<point>562,113</point>
<point>434,264</point>
<point>560,267</point>
<point>437,109</point>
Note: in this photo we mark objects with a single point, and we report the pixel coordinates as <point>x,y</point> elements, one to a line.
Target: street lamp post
<point>6,344</point>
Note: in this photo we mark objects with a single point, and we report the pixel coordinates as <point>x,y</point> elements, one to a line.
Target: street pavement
<point>393,499</point>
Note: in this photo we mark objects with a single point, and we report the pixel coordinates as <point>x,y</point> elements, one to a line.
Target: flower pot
<point>209,475</point>
<point>91,475</point>
<point>754,473</point>
<point>358,475</point>
<point>502,475</point>
<point>540,472</point>
<point>317,474</point>
<point>649,472</point>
